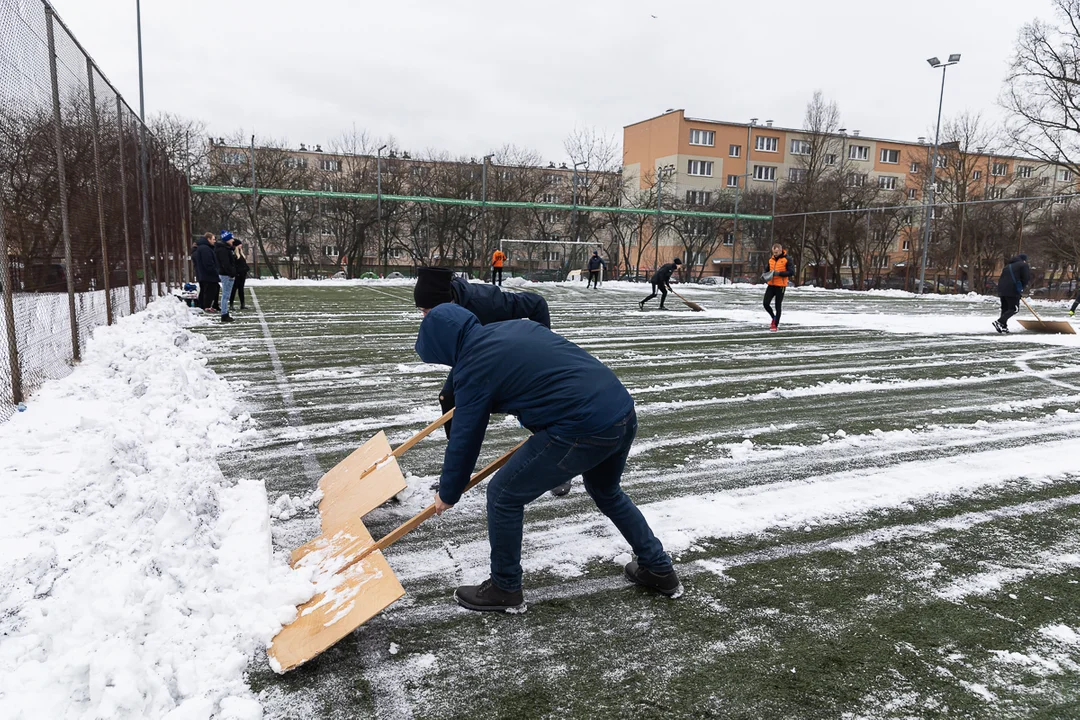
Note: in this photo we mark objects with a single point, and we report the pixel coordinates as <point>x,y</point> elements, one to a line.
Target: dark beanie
<point>1022,256</point>
<point>432,287</point>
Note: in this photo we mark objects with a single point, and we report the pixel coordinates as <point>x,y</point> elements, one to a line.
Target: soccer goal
<point>542,260</point>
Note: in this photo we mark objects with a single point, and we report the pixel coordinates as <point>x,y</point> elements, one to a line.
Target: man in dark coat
<point>206,271</point>
<point>1014,278</point>
<point>583,423</point>
<point>661,280</point>
<point>223,254</point>
<point>595,263</point>
<point>435,286</point>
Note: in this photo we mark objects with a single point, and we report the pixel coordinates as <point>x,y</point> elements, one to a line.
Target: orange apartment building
<point>720,156</point>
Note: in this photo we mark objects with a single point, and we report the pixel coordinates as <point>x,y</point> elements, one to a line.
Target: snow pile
<point>135,581</point>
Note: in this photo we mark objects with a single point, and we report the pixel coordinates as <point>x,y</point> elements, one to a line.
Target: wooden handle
<point>1032,309</point>
<point>408,444</point>
<point>414,522</point>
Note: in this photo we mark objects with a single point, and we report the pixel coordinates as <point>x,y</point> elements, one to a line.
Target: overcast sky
<point>467,76</point>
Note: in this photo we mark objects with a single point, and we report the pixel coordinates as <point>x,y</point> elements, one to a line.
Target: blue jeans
<point>226,290</point>
<point>547,461</point>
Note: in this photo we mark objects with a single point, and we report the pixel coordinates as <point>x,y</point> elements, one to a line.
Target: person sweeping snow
<point>776,278</point>
<point>595,263</point>
<point>436,286</point>
<point>583,423</point>
<point>1015,276</point>
<point>661,280</point>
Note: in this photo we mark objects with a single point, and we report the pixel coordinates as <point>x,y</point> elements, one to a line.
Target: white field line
<point>311,465</point>
<point>1022,363</point>
<point>411,614</point>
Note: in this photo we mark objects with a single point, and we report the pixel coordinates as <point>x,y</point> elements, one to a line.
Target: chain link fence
<point>93,216</point>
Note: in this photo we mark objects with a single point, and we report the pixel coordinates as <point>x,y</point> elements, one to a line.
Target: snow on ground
<point>135,580</point>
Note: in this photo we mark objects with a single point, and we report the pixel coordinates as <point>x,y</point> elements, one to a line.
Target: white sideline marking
<point>311,465</point>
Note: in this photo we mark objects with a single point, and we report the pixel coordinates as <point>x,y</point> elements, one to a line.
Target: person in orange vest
<point>497,260</point>
<point>780,270</point>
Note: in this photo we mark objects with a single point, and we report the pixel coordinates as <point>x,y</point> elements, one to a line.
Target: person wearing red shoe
<point>776,277</point>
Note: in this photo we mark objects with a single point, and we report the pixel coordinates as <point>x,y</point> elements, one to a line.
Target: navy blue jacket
<point>596,262</point>
<point>1014,278</point>
<point>490,304</point>
<point>203,259</point>
<point>223,254</point>
<point>663,275</point>
<point>519,368</point>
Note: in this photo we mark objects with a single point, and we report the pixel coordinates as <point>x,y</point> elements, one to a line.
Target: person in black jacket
<point>661,281</point>
<point>1014,278</point>
<point>595,263</point>
<point>240,261</point>
<point>223,253</point>
<point>583,423</point>
<point>206,271</point>
<point>437,286</point>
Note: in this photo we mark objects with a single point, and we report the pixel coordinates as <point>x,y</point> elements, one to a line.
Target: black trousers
<point>208,294</point>
<point>1010,305</point>
<point>238,288</point>
<point>1076,301</point>
<point>663,294</point>
<point>446,399</point>
<point>774,291</point>
<point>594,279</point>
<point>496,271</point>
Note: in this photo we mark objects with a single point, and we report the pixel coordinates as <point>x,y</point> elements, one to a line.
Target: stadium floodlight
<point>930,189</point>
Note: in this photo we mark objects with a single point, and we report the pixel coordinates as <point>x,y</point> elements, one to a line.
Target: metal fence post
<point>100,200</point>
<point>124,206</point>
<point>143,183</point>
<point>9,314</point>
<point>61,178</point>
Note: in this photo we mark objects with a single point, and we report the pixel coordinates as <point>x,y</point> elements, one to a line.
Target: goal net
<point>547,260</point>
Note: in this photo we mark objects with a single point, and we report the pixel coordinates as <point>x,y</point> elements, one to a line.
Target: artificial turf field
<point>874,516</point>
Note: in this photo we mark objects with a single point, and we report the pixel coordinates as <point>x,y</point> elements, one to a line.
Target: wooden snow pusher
<point>1039,325</point>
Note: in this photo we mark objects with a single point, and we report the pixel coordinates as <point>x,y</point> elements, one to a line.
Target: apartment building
<point>711,156</point>
<point>415,235</point>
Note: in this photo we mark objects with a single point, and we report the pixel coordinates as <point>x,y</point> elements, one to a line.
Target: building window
<point>696,228</point>
<point>764,172</point>
<point>830,159</point>
<point>330,165</point>
<point>796,174</point>
<point>887,182</point>
<point>698,197</point>
<point>858,152</point>
<point>890,156</point>
<point>702,137</point>
<point>729,239</point>
<point>914,167</point>
<point>329,250</point>
<point>1023,171</point>
<point>551,256</point>
<point>976,175</point>
<point>939,187</point>
<point>912,194</point>
<point>766,143</point>
<point>550,198</point>
<point>800,147</point>
<point>734,150</point>
<point>701,168</point>
<point>233,158</point>
<point>1044,181</point>
<point>856,179</point>
<point>999,169</point>
<point>733,181</point>
<point>995,193</point>
<point>551,217</point>
<point>1064,175</point>
<point>905,244</point>
<point>295,162</point>
<point>942,161</point>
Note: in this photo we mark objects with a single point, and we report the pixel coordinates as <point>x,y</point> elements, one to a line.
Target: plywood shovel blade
<point>1059,327</point>
<point>363,481</point>
<point>362,591</point>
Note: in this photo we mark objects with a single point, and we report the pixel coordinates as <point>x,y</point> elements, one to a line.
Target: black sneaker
<point>997,326</point>
<point>488,597</point>
<point>226,318</point>
<point>662,306</point>
<point>561,489</point>
<point>641,305</point>
<point>663,583</point>
<point>1004,328</point>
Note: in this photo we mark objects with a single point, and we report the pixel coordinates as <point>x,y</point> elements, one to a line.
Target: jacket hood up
<point>443,334</point>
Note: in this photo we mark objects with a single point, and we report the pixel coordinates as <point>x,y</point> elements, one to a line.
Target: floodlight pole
<point>378,204</point>
<point>577,230</point>
<point>483,202</point>
<point>934,63</point>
